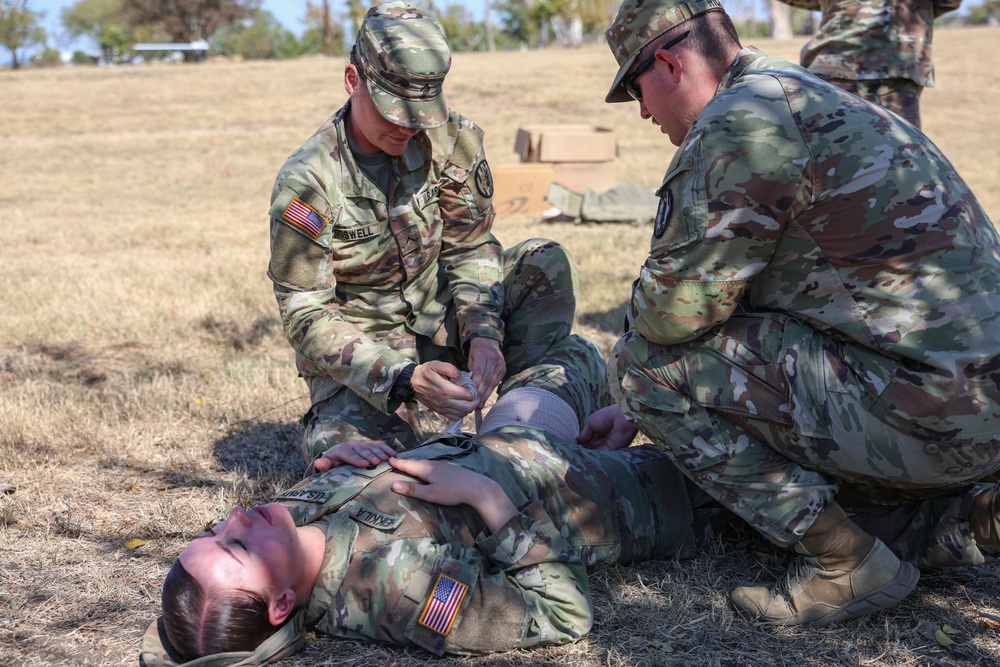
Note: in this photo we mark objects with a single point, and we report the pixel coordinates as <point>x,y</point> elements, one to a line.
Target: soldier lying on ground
<point>465,544</point>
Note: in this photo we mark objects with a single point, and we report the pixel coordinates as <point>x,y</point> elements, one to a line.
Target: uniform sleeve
<point>315,326</point>
<point>537,594</point>
<point>730,191</point>
<point>470,253</point>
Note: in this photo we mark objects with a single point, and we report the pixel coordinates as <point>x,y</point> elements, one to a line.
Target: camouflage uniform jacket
<point>358,273</point>
<point>524,585</point>
<point>788,195</point>
<point>873,39</point>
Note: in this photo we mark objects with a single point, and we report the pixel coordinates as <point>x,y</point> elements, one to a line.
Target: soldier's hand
<point>355,453</point>
<point>487,365</point>
<point>448,484</point>
<point>433,388</point>
<point>607,429</point>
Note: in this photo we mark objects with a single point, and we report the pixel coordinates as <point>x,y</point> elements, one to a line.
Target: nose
<point>237,519</point>
<point>643,111</point>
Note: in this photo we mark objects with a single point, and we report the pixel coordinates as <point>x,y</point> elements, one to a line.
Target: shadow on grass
<point>609,321</point>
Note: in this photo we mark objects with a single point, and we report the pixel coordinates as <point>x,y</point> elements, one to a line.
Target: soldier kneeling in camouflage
<point>465,544</point>
<point>817,326</point>
<point>388,278</point>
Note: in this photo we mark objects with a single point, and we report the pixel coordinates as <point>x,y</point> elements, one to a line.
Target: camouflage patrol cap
<point>404,55</point>
<point>638,23</point>
<point>157,651</point>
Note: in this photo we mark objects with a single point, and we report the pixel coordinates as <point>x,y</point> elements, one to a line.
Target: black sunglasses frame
<point>628,83</point>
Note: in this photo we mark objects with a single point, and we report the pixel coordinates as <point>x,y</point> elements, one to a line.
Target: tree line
<point>242,28</point>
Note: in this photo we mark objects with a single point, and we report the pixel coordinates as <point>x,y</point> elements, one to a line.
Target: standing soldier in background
<point>388,278</point>
<point>815,328</point>
<point>876,49</point>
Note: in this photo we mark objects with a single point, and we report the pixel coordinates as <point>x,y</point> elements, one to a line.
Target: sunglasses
<point>629,84</point>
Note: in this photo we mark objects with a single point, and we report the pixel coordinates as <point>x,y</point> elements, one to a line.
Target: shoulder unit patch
<point>303,216</point>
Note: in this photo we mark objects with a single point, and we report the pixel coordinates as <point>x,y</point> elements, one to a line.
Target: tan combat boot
<point>985,520</point>
<point>843,573</point>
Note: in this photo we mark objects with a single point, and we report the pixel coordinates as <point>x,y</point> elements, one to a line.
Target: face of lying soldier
<point>253,550</point>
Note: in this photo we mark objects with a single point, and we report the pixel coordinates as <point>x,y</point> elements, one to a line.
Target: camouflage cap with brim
<point>638,23</point>
<point>404,55</point>
<point>290,637</point>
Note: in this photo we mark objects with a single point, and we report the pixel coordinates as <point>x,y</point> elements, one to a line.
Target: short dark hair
<point>198,624</point>
<point>713,36</point>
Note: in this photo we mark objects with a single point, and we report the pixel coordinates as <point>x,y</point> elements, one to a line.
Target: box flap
<point>565,143</point>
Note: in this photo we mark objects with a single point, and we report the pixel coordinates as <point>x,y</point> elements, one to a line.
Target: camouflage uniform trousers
<point>746,412</point>
<point>900,96</point>
<point>540,291</point>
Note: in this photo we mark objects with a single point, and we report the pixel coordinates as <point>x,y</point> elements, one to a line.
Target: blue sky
<point>289,12</point>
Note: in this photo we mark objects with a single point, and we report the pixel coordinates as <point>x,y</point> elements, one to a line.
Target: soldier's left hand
<point>448,484</point>
<point>487,365</point>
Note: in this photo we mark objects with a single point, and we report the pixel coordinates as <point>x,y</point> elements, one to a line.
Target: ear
<point>280,607</point>
<point>675,66</point>
<point>352,80</point>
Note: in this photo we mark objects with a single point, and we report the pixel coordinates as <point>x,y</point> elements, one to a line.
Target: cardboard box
<point>565,143</point>
<point>578,176</point>
<point>519,189</point>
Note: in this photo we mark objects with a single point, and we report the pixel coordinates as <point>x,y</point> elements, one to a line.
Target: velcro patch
<point>303,216</point>
<point>442,607</point>
<point>372,517</point>
<point>306,495</point>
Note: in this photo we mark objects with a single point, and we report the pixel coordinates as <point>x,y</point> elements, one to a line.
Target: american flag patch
<point>442,607</point>
<point>304,217</point>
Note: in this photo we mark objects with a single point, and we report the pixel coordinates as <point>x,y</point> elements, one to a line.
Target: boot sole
<point>879,599</point>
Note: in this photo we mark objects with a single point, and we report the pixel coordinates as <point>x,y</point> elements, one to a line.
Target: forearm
<point>473,260</point>
<point>316,329</point>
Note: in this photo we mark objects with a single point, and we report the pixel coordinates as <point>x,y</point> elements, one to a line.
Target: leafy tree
<point>190,20</point>
<point>324,31</point>
<point>987,12</point>
<point>263,37</point>
<point>102,21</point>
<point>356,10</point>
<point>20,28</point>
<point>464,34</point>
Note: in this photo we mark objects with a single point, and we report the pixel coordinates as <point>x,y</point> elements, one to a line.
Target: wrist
<point>402,388</point>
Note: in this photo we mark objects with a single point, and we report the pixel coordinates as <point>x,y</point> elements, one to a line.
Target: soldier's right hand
<point>355,453</point>
<point>433,388</point>
<point>608,429</point>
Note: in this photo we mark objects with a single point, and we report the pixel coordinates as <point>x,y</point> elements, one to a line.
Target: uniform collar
<point>353,181</point>
<point>746,56</point>
<point>341,532</point>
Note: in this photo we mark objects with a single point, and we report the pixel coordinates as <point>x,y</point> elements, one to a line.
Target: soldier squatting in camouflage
<point>818,315</point>
<point>376,269</point>
<point>877,49</point>
<point>524,585</point>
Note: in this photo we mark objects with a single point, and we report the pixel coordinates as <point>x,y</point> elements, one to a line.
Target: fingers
<point>322,464</point>
<point>360,454</point>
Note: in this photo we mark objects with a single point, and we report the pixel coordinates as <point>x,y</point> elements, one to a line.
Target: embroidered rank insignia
<point>663,214</point>
<point>484,179</point>
<point>304,217</point>
<point>442,607</point>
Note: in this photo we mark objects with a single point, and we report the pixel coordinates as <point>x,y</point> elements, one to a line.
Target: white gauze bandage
<point>534,407</point>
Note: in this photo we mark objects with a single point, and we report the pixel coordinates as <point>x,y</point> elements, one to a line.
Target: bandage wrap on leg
<point>534,407</point>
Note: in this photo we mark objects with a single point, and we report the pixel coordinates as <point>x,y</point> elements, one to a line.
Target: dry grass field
<point>145,386</point>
